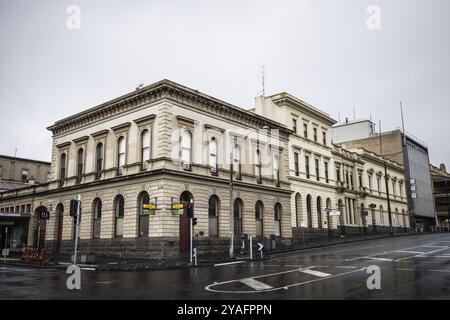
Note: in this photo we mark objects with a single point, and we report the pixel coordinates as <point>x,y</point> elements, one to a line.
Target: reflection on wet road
<point>412,267</point>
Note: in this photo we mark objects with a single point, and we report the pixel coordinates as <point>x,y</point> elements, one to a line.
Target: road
<point>411,267</point>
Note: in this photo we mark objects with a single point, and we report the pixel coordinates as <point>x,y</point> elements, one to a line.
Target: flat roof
<point>24,159</point>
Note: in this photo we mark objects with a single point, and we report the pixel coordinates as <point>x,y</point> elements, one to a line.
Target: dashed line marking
<point>315,273</point>
<point>255,284</point>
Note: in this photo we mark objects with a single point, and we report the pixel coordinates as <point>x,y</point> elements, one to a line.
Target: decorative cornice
<point>63,145</point>
<point>145,119</point>
<point>287,99</point>
<point>165,89</point>
<point>99,134</point>
<point>81,140</point>
<point>208,126</point>
<point>123,126</point>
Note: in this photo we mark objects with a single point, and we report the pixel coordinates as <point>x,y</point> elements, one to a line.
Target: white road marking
<point>255,284</point>
<point>315,273</point>
<point>345,267</point>
<point>439,270</point>
<point>413,252</point>
<point>209,287</point>
<point>229,263</point>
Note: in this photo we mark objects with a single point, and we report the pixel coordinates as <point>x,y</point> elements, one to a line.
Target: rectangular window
<point>258,166</point>
<point>379,184</point>
<point>352,183</point>
<point>324,138</point>
<point>308,175</point>
<point>294,125</point>
<point>338,174</point>
<point>315,134</point>
<point>327,178</point>
<point>24,176</point>
<point>28,208</point>
<point>317,170</point>
<point>305,130</point>
<point>296,164</point>
<point>360,180</point>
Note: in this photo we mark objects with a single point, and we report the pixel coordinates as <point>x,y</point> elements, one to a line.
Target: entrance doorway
<point>185,228</point>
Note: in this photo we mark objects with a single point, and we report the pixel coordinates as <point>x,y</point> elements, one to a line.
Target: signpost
<point>75,211</point>
<point>149,209</point>
<point>260,249</point>
<point>177,209</point>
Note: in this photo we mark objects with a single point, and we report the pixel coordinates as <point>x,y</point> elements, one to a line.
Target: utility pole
<point>387,185</point>
<point>448,204</point>
<point>77,231</point>
<point>231,252</point>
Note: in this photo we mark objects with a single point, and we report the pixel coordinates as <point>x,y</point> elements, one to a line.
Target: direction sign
<point>177,209</point>
<point>260,246</point>
<point>149,209</point>
<point>413,195</point>
<point>413,188</point>
<point>412,181</point>
<point>334,213</point>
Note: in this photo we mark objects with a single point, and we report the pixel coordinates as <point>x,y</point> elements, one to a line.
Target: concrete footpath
<point>106,263</point>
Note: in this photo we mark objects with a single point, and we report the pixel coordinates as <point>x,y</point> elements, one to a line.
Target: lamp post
<point>231,251</point>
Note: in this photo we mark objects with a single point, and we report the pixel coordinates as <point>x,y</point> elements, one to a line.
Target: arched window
<point>80,164</point>
<point>120,155</point>
<point>97,217</point>
<point>213,156</point>
<point>98,160</point>
<point>309,210</point>
<point>119,211</point>
<point>213,214</point>
<point>143,198</point>
<point>341,212</point>
<point>404,219</point>
<point>258,166</point>
<point>319,212</point>
<point>259,218</point>
<point>298,209</point>
<point>276,169</point>
<point>237,160</point>
<point>59,215</point>
<point>186,152</point>
<point>237,208</point>
<point>62,171</point>
<point>145,149</point>
<point>396,221</point>
<point>277,218</point>
<point>381,216</point>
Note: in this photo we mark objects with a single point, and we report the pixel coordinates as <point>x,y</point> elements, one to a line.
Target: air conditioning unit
<point>121,171</point>
<point>145,165</point>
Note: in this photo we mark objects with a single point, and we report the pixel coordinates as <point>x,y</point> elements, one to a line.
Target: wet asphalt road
<point>411,267</point>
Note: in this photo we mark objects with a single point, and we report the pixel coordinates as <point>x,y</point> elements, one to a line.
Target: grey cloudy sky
<point>319,50</point>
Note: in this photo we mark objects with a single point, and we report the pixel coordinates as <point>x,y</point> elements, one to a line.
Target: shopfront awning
<point>12,215</point>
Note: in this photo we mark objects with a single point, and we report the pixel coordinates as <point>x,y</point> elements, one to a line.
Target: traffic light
<point>194,221</point>
<point>73,208</point>
<point>190,210</point>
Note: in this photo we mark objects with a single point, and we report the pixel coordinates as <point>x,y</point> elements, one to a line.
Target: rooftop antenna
<point>139,86</point>
<point>339,116</point>
<point>354,114</point>
<point>263,79</point>
<point>403,124</point>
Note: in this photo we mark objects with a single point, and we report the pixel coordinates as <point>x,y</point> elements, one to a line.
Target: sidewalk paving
<point>105,263</point>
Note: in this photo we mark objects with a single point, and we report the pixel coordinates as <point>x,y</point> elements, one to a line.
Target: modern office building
<point>411,153</point>
<point>441,191</point>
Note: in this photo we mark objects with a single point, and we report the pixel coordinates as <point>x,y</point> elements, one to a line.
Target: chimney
<point>442,167</point>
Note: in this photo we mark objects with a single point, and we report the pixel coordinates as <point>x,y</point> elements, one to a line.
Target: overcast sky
<point>321,51</point>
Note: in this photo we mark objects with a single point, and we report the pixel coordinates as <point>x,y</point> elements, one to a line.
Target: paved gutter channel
<point>144,266</point>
